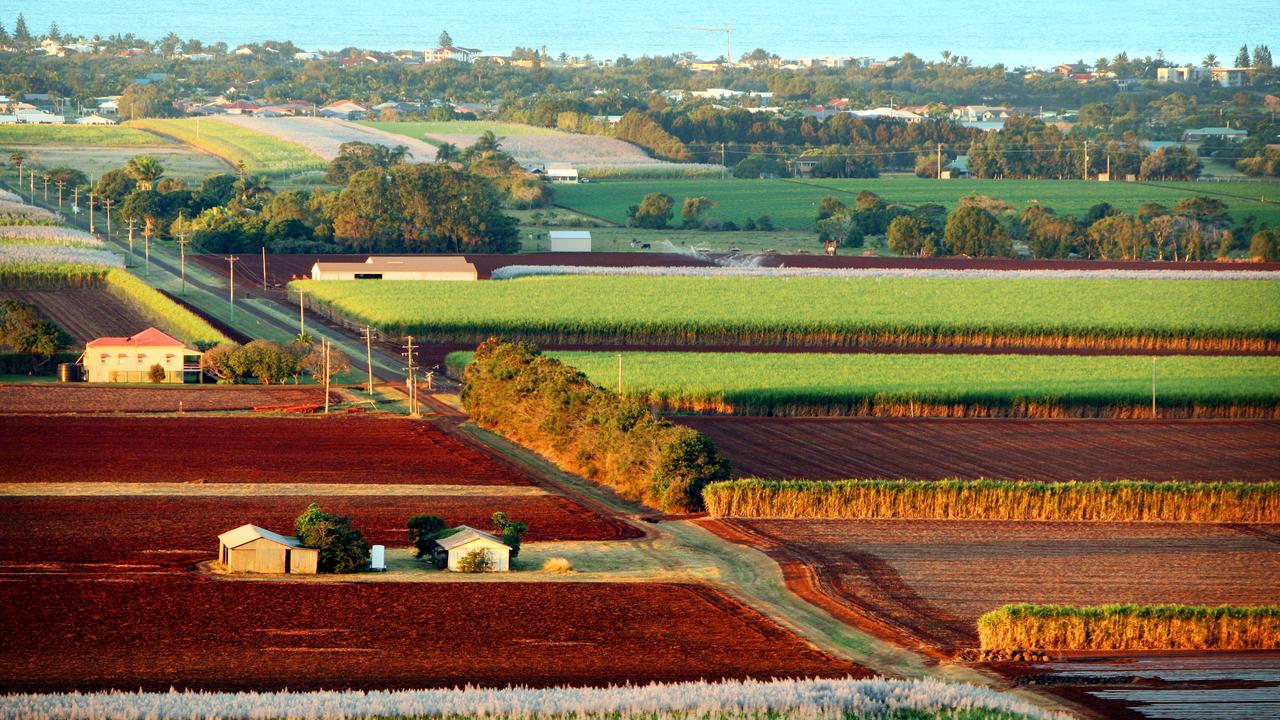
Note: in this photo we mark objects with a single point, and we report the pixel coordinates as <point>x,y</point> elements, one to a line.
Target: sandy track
<point>233,489</point>
<point>323,136</point>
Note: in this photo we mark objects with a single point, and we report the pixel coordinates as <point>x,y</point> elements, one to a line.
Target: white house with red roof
<point>130,359</point>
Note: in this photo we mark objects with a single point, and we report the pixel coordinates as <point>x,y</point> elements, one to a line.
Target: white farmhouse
<point>130,359</point>
<point>562,174</point>
<point>465,540</point>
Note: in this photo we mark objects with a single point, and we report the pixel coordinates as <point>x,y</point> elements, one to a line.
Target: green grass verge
<point>261,153</point>
<point>1130,627</point>
<point>75,135</point>
<point>1119,501</point>
<point>822,312</point>
<point>802,384</point>
<point>794,203</point>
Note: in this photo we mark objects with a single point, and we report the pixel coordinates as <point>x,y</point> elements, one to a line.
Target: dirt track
<point>1017,449</point>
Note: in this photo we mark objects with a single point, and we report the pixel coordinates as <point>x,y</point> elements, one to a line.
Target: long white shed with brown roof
<point>252,549</point>
<point>398,267</point>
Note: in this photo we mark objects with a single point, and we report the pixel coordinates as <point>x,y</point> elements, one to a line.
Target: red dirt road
<point>1015,449</point>
<point>84,398</point>
<point>101,534</point>
<point>336,449</point>
<point>156,631</point>
<point>924,583</point>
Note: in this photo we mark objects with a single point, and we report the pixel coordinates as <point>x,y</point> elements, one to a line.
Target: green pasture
<point>260,153</point>
<point>790,383</point>
<point>90,135</point>
<point>794,203</point>
<point>744,311</point>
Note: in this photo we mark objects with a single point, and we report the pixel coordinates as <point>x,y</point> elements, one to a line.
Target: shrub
<point>342,548</point>
<point>157,374</point>
<point>557,565</point>
<point>540,402</point>
<point>475,561</point>
<point>509,531</point>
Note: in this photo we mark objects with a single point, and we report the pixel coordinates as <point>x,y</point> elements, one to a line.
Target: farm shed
<point>250,548</point>
<point>561,173</point>
<point>570,241</point>
<point>449,550</point>
<point>129,359</point>
<point>390,267</point>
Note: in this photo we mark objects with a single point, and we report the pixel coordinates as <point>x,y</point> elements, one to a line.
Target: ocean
<point>1036,33</point>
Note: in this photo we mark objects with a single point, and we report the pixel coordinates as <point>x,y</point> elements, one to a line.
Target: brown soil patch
<point>85,398</point>
<point>85,313</point>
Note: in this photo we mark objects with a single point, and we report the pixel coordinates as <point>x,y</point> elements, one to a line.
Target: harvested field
<point>79,398</point>
<point>154,632</point>
<point>1004,449</point>
<point>324,136</point>
<point>85,313</point>
<point>917,581</point>
<point>101,534</point>
<point>178,161</point>
<point>241,449</point>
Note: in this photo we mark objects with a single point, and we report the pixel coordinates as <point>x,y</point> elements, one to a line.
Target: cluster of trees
<point>23,330</point>
<point>554,409</point>
<point>272,363</point>
<point>656,210</point>
<point>343,548</point>
<point>1194,229</point>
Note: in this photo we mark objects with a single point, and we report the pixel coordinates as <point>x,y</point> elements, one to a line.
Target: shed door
<point>288,560</point>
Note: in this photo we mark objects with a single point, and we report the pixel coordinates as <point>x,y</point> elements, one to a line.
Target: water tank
<point>378,558</point>
<point>68,372</point>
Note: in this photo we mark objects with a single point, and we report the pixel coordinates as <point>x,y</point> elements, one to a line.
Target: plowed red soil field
<point>926,583</point>
<point>1051,450</point>
<point>82,398</point>
<point>88,632</point>
<point>335,449</point>
<point>85,313</point>
<point>100,534</point>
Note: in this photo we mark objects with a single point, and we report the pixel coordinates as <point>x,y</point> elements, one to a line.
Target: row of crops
<point>956,385</point>
<point>260,153</point>
<point>824,312</point>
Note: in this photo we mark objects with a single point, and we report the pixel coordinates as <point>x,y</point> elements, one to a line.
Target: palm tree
<point>1210,61</point>
<point>398,154</point>
<point>446,153</point>
<point>487,141</point>
<point>17,159</point>
<point>252,192</point>
<point>145,170</point>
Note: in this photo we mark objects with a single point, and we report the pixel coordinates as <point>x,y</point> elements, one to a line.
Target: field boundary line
<point>235,489</point>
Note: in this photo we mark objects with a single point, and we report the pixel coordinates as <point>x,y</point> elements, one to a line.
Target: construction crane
<point>728,37</point>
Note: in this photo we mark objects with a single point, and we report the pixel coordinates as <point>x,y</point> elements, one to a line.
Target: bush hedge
<point>538,401</point>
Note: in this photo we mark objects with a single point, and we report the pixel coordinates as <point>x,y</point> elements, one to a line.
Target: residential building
<point>561,174</point>
<point>974,113</point>
<point>458,54</point>
<point>1229,77</point>
<point>1184,74</point>
<point>252,549</point>
<point>888,113</point>
<point>343,109</point>
<point>1222,133</point>
<point>95,120</point>
<point>391,267</point>
<point>130,359</point>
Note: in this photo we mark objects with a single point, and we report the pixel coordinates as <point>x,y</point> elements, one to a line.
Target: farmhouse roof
<point>408,263</point>
<point>150,337</point>
<point>465,535</point>
<point>249,533</point>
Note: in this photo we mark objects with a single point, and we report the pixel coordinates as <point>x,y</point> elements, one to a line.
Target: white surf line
<point>219,489</point>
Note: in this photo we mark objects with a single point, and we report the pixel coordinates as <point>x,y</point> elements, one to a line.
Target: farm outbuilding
<point>392,267</point>
<point>561,174</point>
<point>449,550</point>
<point>570,241</point>
<point>252,549</point>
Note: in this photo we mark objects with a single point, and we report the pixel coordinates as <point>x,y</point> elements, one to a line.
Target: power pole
<point>1086,159</point>
<point>326,376</point>
<point>130,226</point>
<point>61,184</point>
<point>231,287</point>
<point>939,161</point>
<point>619,374</point>
<point>724,169</point>
<point>182,254</point>
<point>412,386</point>
<point>90,212</point>
<point>1153,387</point>
<point>46,187</point>
<point>146,244</point>
<point>108,203</point>
<point>75,198</point>
<point>302,317</point>
<point>264,268</point>
<point>368,352</point>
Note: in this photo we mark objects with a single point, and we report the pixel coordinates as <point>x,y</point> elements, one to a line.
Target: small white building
<point>397,267</point>
<point>130,359</point>
<point>561,174</point>
<point>94,120</point>
<point>467,539</point>
<point>570,240</point>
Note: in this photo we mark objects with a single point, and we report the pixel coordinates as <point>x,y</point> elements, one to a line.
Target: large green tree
<point>975,232</point>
